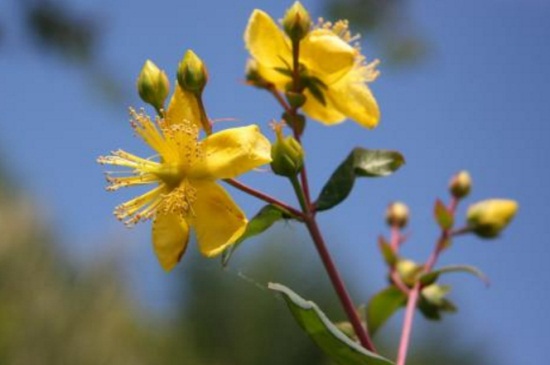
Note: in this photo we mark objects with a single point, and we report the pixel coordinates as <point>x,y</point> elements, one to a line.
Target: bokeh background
<point>463,86</point>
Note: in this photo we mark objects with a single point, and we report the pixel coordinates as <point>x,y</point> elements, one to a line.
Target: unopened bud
<point>460,185</point>
<point>408,271</point>
<point>153,85</point>
<point>296,22</point>
<point>192,73</point>
<point>397,214</point>
<point>489,217</point>
<point>287,154</point>
<point>435,294</point>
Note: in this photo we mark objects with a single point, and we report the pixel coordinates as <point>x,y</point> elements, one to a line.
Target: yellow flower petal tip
<point>185,194</point>
<point>335,74</point>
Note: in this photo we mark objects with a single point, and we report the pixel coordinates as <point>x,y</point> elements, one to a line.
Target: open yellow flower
<point>339,70</point>
<point>186,194</point>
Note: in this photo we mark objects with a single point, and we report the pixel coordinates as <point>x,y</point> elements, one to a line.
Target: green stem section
<point>299,193</point>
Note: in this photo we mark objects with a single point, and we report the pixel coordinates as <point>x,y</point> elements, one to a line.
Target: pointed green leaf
<point>359,163</point>
<point>325,334</point>
<point>264,219</point>
<point>383,305</point>
<point>443,216</point>
<point>387,252</point>
<point>432,276</point>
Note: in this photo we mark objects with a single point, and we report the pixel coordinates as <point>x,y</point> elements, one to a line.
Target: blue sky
<point>479,101</point>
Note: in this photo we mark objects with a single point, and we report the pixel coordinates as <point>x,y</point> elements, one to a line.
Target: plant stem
<point>267,198</point>
<point>299,193</point>
<point>338,284</point>
<point>414,293</point>
<point>303,194</point>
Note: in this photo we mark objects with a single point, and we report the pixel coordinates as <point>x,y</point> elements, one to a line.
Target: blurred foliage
<point>388,25</point>
<point>55,28</point>
<point>54,313</point>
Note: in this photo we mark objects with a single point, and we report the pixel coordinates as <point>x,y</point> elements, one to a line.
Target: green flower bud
<point>287,154</point>
<point>408,271</point>
<point>435,294</point>
<point>192,73</point>
<point>297,22</point>
<point>489,217</point>
<point>153,85</point>
<point>397,214</point>
<point>460,185</point>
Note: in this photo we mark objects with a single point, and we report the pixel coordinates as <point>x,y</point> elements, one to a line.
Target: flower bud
<point>397,214</point>
<point>408,271</point>
<point>287,154</point>
<point>296,22</point>
<point>435,294</point>
<point>153,85</point>
<point>489,217</point>
<point>192,73</point>
<point>460,185</point>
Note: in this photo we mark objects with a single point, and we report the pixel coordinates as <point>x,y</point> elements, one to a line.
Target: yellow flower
<point>337,71</point>
<point>186,194</point>
<point>489,217</point>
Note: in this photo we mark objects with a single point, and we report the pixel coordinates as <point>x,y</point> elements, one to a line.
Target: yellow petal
<point>326,114</point>
<point>326,55</point>
<point>232,152</point>
<point>183,107</point>
<point>352,97</point>
<point>217,220</point>
<point>268,45</point>
<point>170,238</point>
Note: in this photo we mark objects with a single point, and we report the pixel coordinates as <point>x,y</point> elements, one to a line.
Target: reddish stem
<point>414,293</point>
<point>338,284</point>
<point>267,198</point>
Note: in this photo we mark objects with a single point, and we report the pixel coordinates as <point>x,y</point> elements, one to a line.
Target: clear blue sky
<point>479,101</point>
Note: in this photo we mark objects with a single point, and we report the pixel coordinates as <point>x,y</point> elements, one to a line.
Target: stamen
<point>116,183</point>
<point>179,201</point>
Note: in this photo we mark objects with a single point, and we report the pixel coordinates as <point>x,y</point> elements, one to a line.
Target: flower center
<point>171,174</point>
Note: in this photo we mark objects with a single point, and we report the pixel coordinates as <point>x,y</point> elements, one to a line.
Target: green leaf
<point>383,305</point>
<point>432,276</point>
<point>325,334</point>
<point>387,252</point>
<point>359,163</point>
<point>264,219</point>
<point>443,216</point>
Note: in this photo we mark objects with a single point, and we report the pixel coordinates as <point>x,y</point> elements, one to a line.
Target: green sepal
<point>360,162</point>
<point>431,277</point>
<point>382,306</point>
<point>264,219</point>
<point>324,333</point>
<point>443,216</point>
<point>316,87</point>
